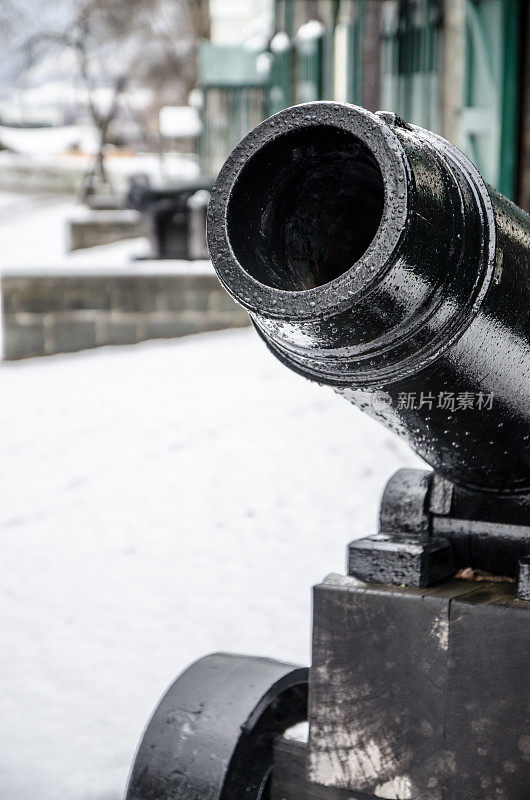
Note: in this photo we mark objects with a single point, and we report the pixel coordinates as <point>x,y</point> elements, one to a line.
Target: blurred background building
<point>458,67</point>
<point>173,76</point>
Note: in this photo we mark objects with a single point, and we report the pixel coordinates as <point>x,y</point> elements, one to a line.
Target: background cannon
<point>372,257</point>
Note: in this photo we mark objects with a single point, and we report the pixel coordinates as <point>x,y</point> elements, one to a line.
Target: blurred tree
<point>8,17</point>
<point>124,45</point>
<point>19,21</point>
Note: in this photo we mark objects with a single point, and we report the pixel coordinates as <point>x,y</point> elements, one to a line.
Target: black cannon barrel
<point>372,257</point>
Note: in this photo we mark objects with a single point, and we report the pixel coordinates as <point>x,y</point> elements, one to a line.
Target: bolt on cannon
<point>372,257</point>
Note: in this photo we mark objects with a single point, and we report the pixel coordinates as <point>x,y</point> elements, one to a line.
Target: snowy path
<point>33,237</point>
<point>159,502</point>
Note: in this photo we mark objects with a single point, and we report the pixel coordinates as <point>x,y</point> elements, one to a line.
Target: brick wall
<point>46,314</point>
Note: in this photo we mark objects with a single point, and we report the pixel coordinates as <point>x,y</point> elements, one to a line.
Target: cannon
<point>372,258</point>
<point>176,215</point>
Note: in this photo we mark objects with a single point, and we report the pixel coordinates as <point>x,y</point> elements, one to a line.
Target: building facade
<point>458,67</point>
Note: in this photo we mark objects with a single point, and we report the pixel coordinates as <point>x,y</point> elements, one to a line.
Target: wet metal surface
<point>416,310</point>
<point>211,735</point>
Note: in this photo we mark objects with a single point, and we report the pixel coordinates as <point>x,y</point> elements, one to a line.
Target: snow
<point>49,140</point>
<point>179,121</point>
<point>33,240</point>
<point>58,169</point>
<point>160,502</point>
<point>280,42</point>
<point>33,236</point>
<point>313,29</point>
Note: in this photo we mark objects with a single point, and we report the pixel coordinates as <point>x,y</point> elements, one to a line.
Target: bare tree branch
<point>121,44</point>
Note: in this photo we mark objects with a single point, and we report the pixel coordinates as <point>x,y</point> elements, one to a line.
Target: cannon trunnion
<point>372,258</point>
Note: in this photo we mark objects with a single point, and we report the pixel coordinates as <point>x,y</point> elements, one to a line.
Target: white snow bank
<point>49,140</point>
<point>160,502</point>
<point>65,171</point>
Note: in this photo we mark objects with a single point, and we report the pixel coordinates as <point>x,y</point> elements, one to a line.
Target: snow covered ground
<point>159,502</point>
<point>33,238</point>
<point>34,155</point>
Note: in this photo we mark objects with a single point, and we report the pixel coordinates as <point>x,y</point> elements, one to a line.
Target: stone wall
<point>46,314</point>
<point>104,227</point>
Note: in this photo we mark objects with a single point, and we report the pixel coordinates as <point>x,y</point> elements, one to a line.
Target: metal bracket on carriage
<point>431,530</point>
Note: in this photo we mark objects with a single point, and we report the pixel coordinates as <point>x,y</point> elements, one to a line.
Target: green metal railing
<point>488,118</point>
<point>411,60</point>
<point>229,114</point>
<point>281,75</point>
<point>309,74</point>
<point>354,59</point>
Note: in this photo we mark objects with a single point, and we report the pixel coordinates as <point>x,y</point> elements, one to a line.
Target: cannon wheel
<point>211,736</point>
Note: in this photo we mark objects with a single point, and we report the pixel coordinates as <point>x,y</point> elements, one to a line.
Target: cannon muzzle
<point>372,257</point>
